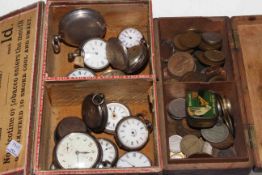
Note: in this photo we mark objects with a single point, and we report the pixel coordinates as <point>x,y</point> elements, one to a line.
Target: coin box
<point>241,36</point>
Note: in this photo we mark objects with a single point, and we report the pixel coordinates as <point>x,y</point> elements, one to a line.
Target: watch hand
<point>129,163</point>
<point>77,156</point>
<point>83,152</point>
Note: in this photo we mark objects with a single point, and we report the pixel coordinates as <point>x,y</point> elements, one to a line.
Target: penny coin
<point>177,108</point>
<point>167,49</point>
<point>216,134</point>
<point>204,60</point>
<point>174,143</point>
<point>190,39</point>
<point>69,125</point>
<point>112,72</point>
<point>178,44</point>
<point>215,55</point>
<point>193,76</point>
<point>204,46</point>
<point>191,144</point>
<point>179,155</point>
<point>212,38</point>
<point>180,63</point>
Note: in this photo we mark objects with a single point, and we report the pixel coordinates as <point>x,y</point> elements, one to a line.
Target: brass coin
<point>215,55</point>
<point>177,108</point>
<point>178,44</point>
<point>201,57</point>
<point>179,155</point>
<point>180,63</point>
<point>190,39</point>
<point>204,46</point>
<point>193,76</point>
<point>191,144</point>
<point>212,38</point>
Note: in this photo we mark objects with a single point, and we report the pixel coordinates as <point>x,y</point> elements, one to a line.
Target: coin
<point>179,155</point>
<point>216,134</point>
<point>174,143</point>
<point>204,60</point>
<point>216,78</point>
<point>182,128</point>
<point>112,72</point>
<point>190,144</point>
<point>167,49</point>
<point>193,76</point>
<point>180,63</point>
<point>207,148</point>
<point>178,44</point>
<point>204,46</point>
<point>190,39</point>
<point>177,108</point>
<point>215,55</point>
<point>212,38</point>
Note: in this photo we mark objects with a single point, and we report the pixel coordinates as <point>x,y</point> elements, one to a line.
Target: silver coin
<point>177,108</point>
<point>216,134</point>
<point>174,143</point>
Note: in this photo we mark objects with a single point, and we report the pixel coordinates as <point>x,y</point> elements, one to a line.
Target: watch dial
<point>133,159</point>
<point>116,111</point>
<point>130,37</point>
<point>77,150</point>
<point>132,133</point>
<point>94,52</point>
<point>81,73</point>
<point>110,152</point>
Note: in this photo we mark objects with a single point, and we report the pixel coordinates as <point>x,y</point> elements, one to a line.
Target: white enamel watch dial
<point>78,150</point>
<point>81,72</point>
<point>94,53</point>
<point>130,37</point>
<point>133,159</point>
<point>132,133</point>
<point>116,111</point>
<point>109,149</point>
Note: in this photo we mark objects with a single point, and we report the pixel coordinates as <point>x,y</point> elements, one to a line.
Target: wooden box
<point>37,94</point>
<point>241,38</point>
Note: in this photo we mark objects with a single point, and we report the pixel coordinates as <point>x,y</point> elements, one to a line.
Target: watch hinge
<point>251,136</point>
<point>236,39</point>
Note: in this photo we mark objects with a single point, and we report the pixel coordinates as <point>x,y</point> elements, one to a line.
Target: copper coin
<point>212,38</point>
<point>205,46</point>
<point>215,55</point>
<point>178,44</point>
<point>193,76</point>
<point>180,63</point>
<point>182,128</point>
<point>177,108</point>
<point>201,57</point>
<point>190,39</point>
<point>167,49</point>
<point>69,125</point>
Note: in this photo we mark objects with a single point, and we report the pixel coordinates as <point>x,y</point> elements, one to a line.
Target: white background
<point>168,8</point>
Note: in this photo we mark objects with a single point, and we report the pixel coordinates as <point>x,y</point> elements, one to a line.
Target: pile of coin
<point>194,56</point>
<point>190,141</point>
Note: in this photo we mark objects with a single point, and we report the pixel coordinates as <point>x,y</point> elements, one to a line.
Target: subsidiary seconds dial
<point>94,53</point>
<point>132,133</point>
<point>77,150</point>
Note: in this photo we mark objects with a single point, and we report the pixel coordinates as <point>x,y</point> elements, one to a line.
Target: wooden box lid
<point>19,53</point>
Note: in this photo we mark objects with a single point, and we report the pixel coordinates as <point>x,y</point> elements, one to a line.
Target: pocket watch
<point>94,112</point>
<point>69,125</point>
<point>77,26</point>
<point>116,112</point>
<point>130,37</point>
<point>81,72</point>
<point>132,133</point>
<point>93,52</point>
<point>110,152</point>
<point>78,150</point>
<point>133,159</point>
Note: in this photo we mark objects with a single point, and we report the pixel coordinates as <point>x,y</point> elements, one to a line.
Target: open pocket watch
<point>77,150</point>
<point>131,37</point>
<point>94,112</point>
<point>81,72</point>
<point>132,133</point>
<point>78,26</point>
<point>133,159</point>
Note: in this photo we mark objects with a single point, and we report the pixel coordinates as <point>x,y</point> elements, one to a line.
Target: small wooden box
<point>34,80</point>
